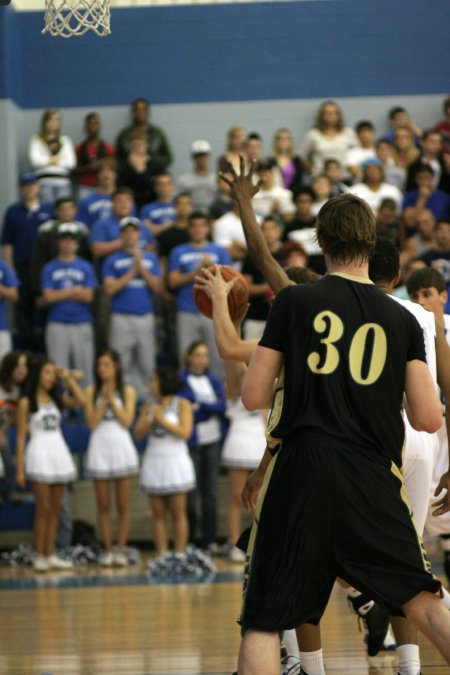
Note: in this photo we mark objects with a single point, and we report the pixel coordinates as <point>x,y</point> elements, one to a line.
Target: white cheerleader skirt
<point>244,444</point>
<point>48,459</point>
<point>111,452</point>
<point>167,473</point>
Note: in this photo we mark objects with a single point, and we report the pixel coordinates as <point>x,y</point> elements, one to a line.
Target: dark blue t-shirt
<point>20,226</point>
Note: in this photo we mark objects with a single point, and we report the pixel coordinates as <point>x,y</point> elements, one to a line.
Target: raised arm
<point>242,191</point>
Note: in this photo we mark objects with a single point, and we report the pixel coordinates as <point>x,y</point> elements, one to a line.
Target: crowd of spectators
<point>103,244</point>
<point>133,284</point>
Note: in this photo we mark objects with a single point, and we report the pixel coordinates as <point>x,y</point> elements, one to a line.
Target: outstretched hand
<point>443,504</point>
<point>213,283</point>
<point>242,186</point>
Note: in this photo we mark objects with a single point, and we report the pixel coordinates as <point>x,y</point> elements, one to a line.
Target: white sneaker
<point>40,563</point>
<point>290,665</point>
<point>57,563</point>
<point>120,559</point>
<point>236,555</point>
<point>106,559</point>
<point>214,549</point>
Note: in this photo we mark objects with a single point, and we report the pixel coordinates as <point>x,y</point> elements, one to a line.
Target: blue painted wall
<point>244,52</point>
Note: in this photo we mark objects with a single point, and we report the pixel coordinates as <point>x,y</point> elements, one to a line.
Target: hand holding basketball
<point>209,284</point>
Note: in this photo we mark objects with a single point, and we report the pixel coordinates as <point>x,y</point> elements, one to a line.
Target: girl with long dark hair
<point>46,460</point>
<point>111,455</point>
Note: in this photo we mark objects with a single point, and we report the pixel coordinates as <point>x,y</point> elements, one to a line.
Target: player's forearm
<point>265,460</point>
<point>254,237</point>
<point>258,250</point>
<point>224,330</point>
<point>234,376</point>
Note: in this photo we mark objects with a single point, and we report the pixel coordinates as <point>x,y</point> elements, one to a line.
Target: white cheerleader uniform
<point>245,441</point>
<point>111,452</point>
<point>167,467</point>
<point>47,457</point>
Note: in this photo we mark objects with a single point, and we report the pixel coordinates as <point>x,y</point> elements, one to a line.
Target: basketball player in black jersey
<point>332,503</point>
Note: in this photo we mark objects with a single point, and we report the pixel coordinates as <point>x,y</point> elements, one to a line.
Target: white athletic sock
<point>408,660</point>
<point>290,642</point>
<point>312,662</point>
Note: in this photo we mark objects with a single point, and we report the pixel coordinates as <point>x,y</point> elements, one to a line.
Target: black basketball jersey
<point>345,346</point>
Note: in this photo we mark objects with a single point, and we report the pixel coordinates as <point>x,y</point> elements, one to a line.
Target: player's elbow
<point>430,423</point>
<point>250,398</point>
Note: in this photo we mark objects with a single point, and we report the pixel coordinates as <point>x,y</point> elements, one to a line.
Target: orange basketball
<point>237,297</point>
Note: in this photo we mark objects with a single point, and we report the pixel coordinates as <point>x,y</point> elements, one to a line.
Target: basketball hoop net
<point>67,18</point>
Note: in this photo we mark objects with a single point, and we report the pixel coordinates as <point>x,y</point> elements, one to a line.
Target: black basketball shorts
<point>326,511</point>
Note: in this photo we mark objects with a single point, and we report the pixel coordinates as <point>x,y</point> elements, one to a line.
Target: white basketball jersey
<point>427,323</point>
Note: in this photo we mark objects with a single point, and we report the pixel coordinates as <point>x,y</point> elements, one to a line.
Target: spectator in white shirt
<point>366,150</point>
<point>52,157</point>
<point>272,199</point>
<point>373,189</point>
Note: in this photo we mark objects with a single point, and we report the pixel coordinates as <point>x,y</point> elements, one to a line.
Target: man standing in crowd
<point>20,226</point>
<point>67,286</point>
<point>130,277</point>
<point>158,145</point>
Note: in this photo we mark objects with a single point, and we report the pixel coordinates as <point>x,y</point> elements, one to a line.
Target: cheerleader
<point>167,469</point>
<point>111,454</point>
<point>242,452</point>
<point>46,460</point>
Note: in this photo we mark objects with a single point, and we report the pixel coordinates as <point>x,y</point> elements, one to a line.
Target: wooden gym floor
<point>118,623</point>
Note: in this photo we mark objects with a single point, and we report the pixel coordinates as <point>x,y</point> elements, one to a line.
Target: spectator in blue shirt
<point>98,204</point>
<point>19,232</point>
<point>425,197</point>
<point>68,284</point>
<point>160,215</point>
<point>8,291</point>
<point>185,262</point>
<point>130,277</point>
<point>105,236</point>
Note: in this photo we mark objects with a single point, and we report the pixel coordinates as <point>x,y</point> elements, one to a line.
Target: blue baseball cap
<point>27,177</point>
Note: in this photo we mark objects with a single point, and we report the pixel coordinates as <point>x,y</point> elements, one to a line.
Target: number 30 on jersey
<point>330,326</point>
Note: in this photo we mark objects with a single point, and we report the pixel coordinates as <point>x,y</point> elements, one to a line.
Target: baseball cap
<point>27,177</point>
<point>130,220</point>
<point>200,148</point>
<point>372,160</point>
<point>68,229</point>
